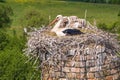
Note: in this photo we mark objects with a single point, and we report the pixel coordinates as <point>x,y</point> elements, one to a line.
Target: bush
<point>3,40</point>
<point>5,12</point>
<point>2,0</point>
<point>33,18</point>
<point>119,13</point>
<point>102,26</point>
<point>12,60</point>
<point>13,66</point>
<point>115,27</point>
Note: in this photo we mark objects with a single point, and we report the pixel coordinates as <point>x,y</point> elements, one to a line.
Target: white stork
<point>60,30</point>
<point>75,22</point>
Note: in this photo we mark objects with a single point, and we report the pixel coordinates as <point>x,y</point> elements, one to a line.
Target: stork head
<point>56,19</point>
<point>59,17</point>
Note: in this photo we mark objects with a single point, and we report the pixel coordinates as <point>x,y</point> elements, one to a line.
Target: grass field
<point>102,13</point>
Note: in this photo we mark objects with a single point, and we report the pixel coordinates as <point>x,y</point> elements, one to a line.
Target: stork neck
<point>57,25</point>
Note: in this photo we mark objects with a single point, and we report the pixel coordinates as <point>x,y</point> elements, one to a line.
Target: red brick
<point>80,58</point>
<point>82,70</point>
<point>49,79</point>
<point>90,75</point>
<point>116,76</point>
<point>66,69</point>
<point>77,64</point>
<point>70,64</point>
<point>109,78</point>
<point>113,71</point>
<point>92,79</point>
<point>82,75</point>
<point>71,75</point>
<point>93,69</point>
<point>78,76</point>
<point>62,79</point>
<point>75,70</point>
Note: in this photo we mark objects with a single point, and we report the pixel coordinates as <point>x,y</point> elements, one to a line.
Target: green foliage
<point>2,0</point>
<point>13,66</point>
<point>119,13</point>
<point>115,27</point>
<point>99,1</point>
<point>5,12</point>
<point>34,18</point>
<point>3,40</point>
<point>102,26</point>
<point>12,60</point>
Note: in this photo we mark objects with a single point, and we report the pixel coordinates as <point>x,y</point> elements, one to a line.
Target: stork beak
<point>55,20</point>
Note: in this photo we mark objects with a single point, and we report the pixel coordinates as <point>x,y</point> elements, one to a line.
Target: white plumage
<point>62,28</point>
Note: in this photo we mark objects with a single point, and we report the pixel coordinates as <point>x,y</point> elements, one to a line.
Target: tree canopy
<point>99,1</point>
<point>5,12</point>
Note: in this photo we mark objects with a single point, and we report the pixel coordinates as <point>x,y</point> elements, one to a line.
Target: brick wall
<point>89,56</point>
<point>83,67</point>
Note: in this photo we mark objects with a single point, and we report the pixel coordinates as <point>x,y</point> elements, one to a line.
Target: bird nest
<point>94,44</point>
<point>42,41</point>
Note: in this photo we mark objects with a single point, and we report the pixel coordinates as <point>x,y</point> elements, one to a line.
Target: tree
<point>99,1</point>
<point>3,40</point>
<point>13,64</point>
<point>2,0</point>
<point>5,12</point>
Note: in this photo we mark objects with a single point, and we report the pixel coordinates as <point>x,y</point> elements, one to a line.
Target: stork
<point>75,22</point>
<point>83,22</point>
<point>60,30</point>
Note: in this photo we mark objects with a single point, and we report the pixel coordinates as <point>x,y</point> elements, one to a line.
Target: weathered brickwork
<point>83,67</point>
<point>89,56</point>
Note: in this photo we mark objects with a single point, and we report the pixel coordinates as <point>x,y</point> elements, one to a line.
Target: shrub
<point>102,26</point>
<point>119,13</point>
<point>13,66</point>
<point>5,12</point>
<point>3,40</point>
<point>33,18</point>
<point>115,27</point>
<point>12,61</point>
<point>2,0</point>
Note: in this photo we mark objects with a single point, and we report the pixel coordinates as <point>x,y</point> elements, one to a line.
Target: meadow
<point>102,13</point>
<point>12,60</point>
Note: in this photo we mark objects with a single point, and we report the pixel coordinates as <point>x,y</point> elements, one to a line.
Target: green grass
<point>101,12</point>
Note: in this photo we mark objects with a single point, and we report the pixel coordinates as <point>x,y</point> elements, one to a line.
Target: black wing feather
<point>72,32</point>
